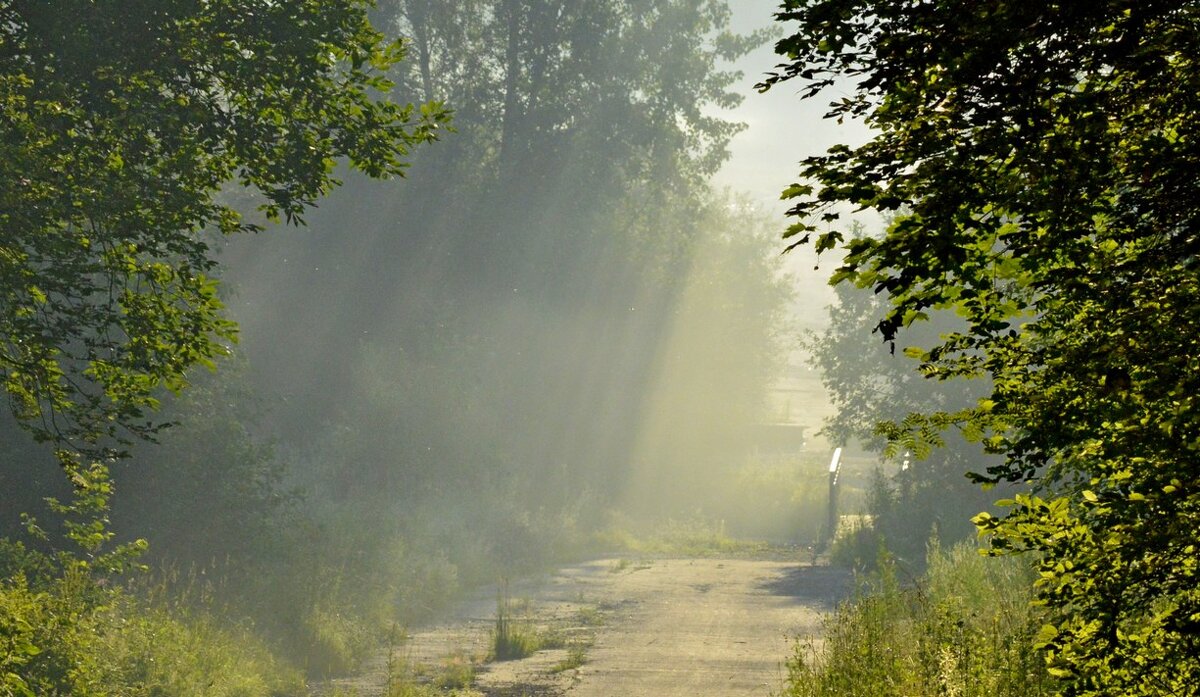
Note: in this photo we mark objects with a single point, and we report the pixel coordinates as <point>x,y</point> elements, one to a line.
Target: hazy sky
<point>783,129</point>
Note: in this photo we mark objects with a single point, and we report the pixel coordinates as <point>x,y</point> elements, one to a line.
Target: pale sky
<point>783,129</point>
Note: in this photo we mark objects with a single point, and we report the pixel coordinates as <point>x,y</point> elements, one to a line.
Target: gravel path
<point>706,627</point>
<point>654,628</point>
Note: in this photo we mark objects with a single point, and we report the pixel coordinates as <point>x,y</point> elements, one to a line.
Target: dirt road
<point>620,628</point>
<point>705,627</point>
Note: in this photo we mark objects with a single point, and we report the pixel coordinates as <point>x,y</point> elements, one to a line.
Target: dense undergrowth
<point>965,628</point>
<point>72,634</point>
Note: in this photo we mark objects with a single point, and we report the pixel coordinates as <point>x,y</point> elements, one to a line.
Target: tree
<point>1046,155</point>
<point>123,124</point>
<point>579,172</point>
<point>869,384</point>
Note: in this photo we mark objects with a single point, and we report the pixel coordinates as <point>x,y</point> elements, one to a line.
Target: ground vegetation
<point>965,626</point>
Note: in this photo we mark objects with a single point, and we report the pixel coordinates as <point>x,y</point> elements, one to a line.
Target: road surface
<point>654,628</point>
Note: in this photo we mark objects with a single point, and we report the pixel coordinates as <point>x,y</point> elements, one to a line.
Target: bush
<point>857,546</point>
<point>774,500</point>
<point>966,629</point>
<point>73,636</point>
<point>21,612</point>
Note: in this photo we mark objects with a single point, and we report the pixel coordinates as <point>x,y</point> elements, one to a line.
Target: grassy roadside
<point>70,635</point>
<point>686,537</point>
<point>965,629</point>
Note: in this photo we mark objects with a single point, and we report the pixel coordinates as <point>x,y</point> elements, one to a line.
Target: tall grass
<point>966,629</point>
<point>512,638</point>
<point>72,636</point>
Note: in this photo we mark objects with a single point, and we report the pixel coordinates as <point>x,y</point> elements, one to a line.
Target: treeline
<point>498,314</point>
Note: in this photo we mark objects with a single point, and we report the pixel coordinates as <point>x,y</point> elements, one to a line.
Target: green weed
<point>576,656</point>
<point>512,639</point>
<point>590,616</point>
<point>966,629</point>
<point>413,689</point>
<point>456,671</point>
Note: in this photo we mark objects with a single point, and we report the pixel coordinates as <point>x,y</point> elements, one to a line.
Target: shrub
<point>73,636</point>
<point>965,629</point>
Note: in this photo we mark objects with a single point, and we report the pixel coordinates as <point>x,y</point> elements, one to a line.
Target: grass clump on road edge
<point>455,676</point>
<point>457,671</point>
<point>966,629</point>
<point>512,639</point>
<point>590,616</point>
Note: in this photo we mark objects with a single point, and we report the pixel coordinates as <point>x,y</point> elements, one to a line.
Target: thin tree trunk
<point>418,17</point>
<point>512,73</point>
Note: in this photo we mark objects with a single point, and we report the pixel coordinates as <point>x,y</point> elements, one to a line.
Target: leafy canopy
<point>1044,156</point>
<point>123,123</point>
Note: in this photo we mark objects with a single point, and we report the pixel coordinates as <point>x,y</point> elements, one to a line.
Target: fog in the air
<point>569,330</point>
<point>559,316</point>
